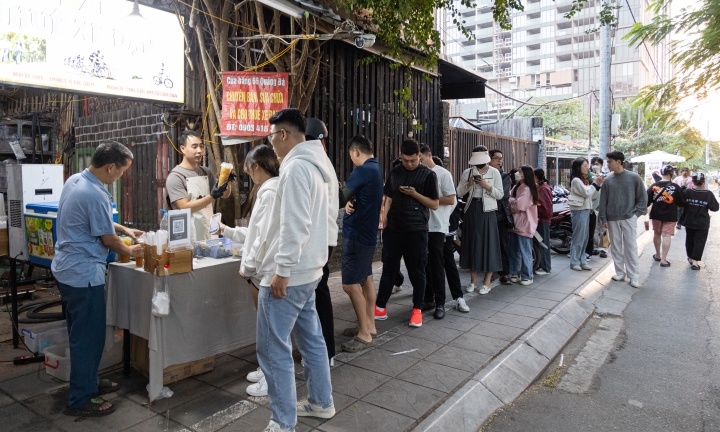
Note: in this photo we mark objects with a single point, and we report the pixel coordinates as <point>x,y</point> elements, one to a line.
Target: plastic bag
<point>161,299</point>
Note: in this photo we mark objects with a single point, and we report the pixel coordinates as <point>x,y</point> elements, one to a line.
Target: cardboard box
<point>3,242</point>
<point>140,360</point>
<point>180,262</point>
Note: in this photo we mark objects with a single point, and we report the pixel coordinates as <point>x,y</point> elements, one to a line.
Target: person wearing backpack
<point>664,197</point>
<point>696,218</point>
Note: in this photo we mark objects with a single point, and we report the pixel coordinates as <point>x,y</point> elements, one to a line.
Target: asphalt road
<point>662,372</point>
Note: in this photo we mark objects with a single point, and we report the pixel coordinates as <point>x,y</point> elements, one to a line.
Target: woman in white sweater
<point>263,167</point>
<point>582,192</point>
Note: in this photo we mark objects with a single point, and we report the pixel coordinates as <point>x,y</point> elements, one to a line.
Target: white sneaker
<point>576,268</point>
<point>396,289</point>
<point>274,427</point>
<point>461,305</point>
<point>619,277</point>
<point>306,409</point>
<point>484,290</point>
<point>634,283</point>
<point>541,272</point>
<point>526,282</point>
<point>259,389</point>
<point>332,362</point>
<point>470,288</point>
<point>255,376</point>
<point>514,279</point>
<point>586,267</point>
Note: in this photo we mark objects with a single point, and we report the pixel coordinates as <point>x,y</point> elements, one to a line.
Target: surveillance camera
<point>364,41</point>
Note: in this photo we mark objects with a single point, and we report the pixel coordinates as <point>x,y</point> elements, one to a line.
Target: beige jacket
<point>490,199</point>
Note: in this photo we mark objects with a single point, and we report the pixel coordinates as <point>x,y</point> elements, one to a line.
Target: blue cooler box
<point>41,234</point>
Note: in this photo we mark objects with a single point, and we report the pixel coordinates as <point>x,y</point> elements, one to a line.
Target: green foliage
<point>502,9</point>
<point>695,56</point>
<point>607,13</point>
<point>34,48</point>
<point>563,119</point>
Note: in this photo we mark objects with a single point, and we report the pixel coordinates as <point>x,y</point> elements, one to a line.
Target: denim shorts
<point>357,259</point>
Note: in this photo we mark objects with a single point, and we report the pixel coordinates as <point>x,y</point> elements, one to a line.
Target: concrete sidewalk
<point>440,384</point>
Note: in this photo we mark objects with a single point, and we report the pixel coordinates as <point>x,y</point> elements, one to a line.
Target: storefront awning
<point>457,82</point>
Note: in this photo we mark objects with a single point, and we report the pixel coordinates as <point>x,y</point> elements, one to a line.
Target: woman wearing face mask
<point>523,204</point>
<point>480,238</point>
<point>262,165</point>
<point>582,193</point>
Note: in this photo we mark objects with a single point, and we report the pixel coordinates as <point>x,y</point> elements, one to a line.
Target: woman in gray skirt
<point>480,238</point>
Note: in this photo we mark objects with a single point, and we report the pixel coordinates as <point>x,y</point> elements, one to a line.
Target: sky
<point>701,113</point>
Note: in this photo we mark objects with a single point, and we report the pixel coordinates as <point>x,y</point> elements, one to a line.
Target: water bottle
<point>164,220</point>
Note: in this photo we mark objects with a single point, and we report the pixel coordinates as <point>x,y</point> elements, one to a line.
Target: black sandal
<point>665,265</point>
<point>656,258</point>
<point>90,409</point>
<point>106,386</point>
<point>695,267</point>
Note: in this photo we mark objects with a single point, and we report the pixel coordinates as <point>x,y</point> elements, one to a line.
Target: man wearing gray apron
<point>188,184</point>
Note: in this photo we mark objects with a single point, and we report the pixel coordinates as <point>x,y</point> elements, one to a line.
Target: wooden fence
<point>516,152</point>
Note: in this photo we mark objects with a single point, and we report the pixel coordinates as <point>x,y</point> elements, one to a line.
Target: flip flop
<point>656,258</point>
<point>695,267</point>
<point>351,331</point>
<point>355,345</point>
<point>665,265</point>
<point>90,409</point>
<point>690,261</point>
<point>106,386</point>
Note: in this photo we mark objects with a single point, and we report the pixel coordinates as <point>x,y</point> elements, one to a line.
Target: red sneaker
<point>416,318</point>
<point>380,315</point>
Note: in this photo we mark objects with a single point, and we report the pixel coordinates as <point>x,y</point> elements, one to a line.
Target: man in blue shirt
<point>363,193</point>
<point>85,232</point>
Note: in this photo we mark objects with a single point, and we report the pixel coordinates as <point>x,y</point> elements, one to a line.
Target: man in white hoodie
<point>292,267</point>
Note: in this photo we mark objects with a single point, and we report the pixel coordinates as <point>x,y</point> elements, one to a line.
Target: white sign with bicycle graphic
<point>92,46</point>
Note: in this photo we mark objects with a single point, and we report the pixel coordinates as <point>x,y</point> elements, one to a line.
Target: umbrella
<point>658,156</point>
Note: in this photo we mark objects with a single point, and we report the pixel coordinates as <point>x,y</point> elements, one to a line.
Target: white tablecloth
<point>211,312</point>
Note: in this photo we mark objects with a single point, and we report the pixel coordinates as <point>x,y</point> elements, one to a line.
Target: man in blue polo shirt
<point>85,232</point>
<point>363,193</point>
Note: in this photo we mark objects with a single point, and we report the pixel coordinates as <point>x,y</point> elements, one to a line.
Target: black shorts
<point>357,259</point>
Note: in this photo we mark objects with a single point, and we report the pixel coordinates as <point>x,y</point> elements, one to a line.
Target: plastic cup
<point>128,242</point>
<point>647,225</point>
<point>225,170</point>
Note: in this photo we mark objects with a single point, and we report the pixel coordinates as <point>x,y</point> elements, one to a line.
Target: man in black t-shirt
<point>665,197</point>
<point>410,191</point>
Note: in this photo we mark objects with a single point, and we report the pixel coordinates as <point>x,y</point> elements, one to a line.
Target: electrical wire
<point>562,101</point>
<point>645,45</point>
<point>220,19</point>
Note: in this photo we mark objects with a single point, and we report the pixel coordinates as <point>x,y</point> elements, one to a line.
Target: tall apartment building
<point>548,56</point>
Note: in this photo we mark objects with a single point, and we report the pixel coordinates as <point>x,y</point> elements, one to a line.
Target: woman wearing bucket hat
<point>480,238</point>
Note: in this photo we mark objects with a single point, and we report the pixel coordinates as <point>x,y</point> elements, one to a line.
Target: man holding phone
<point>411,191</point>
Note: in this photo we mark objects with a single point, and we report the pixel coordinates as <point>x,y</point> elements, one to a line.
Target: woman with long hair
<point>545,213</point>
<point>263,167</point>
<point>582,192</point>
<point>480,236</point>
<point>524,199</point>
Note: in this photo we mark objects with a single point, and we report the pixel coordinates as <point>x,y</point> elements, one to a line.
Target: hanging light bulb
<point>135,14</point>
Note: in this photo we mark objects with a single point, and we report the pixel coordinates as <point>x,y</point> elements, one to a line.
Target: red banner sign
<point>250,99</point>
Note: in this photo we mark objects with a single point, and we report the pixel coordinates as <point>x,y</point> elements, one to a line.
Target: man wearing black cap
<point>665,197</point>
<point>316,130</point>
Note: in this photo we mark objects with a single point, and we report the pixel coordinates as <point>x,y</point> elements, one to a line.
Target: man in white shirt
<point>438,227</point>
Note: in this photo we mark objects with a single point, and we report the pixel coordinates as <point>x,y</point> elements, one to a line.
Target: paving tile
<point>512,320</point>
<point>347,315</point>
<point>435,376</point>
<point>339,400</point>
<point>488,304</point>
<point>574,310</point>
<point>525,311</point>
<point>17,418</point>
<point>464,411</point>
<point>382,361</point>
<point>9,371</point>
<point>127,414</point>
<point>384,337</point>
<point>5,399</point>
<point>546,295</point>
<point>405,398</point>
<point>560,289</point>
<point>227,369</point>
<point>183,391</point>
<point>254,421</point>
<point>549,335</point>
<point>459,358</point>
<point>51,404</point>
<point>497,331</point>
<point>248,354</point>
<point>475,313</point>
<point>354,381</point>
<point>341,324</point>
<point>404,298</point>
<point>27,386</point>
<point>481,344</point>
<point>435,334</point>
<point>407,343</point>
<point>536,302</point>
<point>156,424</point>
<point>363,416</point>
<point>456,322</point>
<point>214,408</point>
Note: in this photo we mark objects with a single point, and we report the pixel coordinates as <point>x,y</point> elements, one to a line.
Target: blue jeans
<point>545,259</point>
<point>277,319</point>
<point>580,235</point>
<point>85,318</point>
<point>521,261</point>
